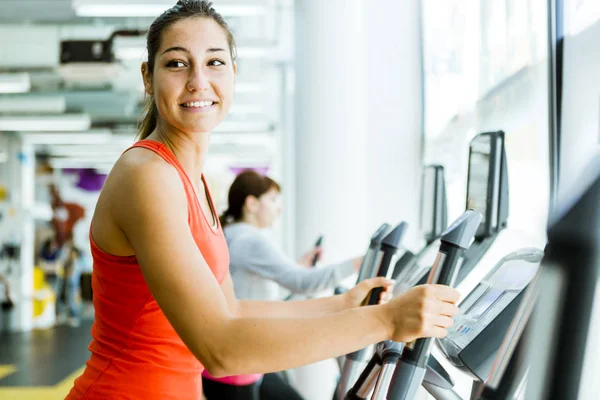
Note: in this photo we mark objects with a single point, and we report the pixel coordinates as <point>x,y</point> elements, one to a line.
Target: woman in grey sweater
<point>259,268</point>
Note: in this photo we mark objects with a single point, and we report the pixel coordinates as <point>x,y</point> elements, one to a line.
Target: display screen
<point>485,303</point>
<point>427,202</point>
<point>514,274</point>
<point>479,169</point>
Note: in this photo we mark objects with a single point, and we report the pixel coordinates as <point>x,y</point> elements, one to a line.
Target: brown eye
<point>175,64</point>
<point>216,63</point>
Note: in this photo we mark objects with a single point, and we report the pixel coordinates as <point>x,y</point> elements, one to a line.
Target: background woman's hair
<point>184,9</point>
<point>247,183</point>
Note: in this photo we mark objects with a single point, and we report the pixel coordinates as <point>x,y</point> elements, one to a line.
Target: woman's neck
<point>251,220</point>
<point>191,150</point>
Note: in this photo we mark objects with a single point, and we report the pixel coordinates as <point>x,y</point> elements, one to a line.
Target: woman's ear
<point>251,204</point>
<point>147,77</point>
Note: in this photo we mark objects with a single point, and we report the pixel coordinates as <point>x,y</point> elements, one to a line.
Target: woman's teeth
<point>198,104</point>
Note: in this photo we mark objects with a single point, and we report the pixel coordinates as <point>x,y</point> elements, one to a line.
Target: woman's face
<point>194,75</point>
<point>269,208</point>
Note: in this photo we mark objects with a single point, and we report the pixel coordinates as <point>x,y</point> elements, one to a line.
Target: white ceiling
<point>63,10</point>
<point>112,96</point>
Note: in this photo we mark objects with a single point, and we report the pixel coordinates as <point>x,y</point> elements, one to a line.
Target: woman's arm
<point>260,256</point>
<point>302,308</point>
<point>265,308</point>
<point>153,216</point>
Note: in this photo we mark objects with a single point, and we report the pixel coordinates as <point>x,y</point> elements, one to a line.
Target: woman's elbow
<point>227,366</point>
<point>217,371</point>
<point>214,365</point>
<point>219,359</point>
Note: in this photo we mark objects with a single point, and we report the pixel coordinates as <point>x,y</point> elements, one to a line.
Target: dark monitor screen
<point>478,179</point>
<point>428,202</point>
<point>433,202</point>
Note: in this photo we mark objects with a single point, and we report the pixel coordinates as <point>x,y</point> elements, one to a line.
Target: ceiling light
<point>93,136</point>
<point>45,123</point>
<point>33,104</point>
<point>130,53</point>
<point>87,150</point>
<point>100,167</point>
<point>14,82</point>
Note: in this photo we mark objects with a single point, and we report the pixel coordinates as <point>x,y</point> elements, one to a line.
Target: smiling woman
<point>173,65</point>
<point>165,307</point>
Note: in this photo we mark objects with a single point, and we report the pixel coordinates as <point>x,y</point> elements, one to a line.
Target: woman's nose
<point>198,80</point>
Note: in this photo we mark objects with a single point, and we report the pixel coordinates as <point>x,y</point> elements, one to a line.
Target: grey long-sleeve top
<point>258,267</point>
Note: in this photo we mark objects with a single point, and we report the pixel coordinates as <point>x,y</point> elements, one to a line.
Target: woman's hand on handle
<point>307,259</point>
<point>356,296</point>
<point>423,311</point>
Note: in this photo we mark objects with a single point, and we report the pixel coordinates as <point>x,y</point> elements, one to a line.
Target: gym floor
<point>42,364</point>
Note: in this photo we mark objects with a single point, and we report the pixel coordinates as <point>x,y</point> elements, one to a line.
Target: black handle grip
<point>389,247</point>
<point>318,244</point>
<point>383,271</point>
<point>374,296</point>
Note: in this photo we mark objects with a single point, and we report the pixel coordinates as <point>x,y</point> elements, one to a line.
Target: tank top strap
<point>161,150</point>
<point>169,157</point>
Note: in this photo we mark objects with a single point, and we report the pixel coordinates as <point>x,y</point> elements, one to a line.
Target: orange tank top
<point>136,353</point>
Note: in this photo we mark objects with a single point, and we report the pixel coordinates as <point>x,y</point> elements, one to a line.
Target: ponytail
<point>147,124</point>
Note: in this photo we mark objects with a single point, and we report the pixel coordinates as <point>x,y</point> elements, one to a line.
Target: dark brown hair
<point>247,183</point>
<point>182,10</point>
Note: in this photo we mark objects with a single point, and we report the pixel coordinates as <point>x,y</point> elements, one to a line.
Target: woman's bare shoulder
<point>140,184</point>
<point>141,169</point>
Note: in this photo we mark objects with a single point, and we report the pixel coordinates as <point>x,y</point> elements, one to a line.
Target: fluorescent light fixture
<point>60,163</point>
<point>45,123</point>
<point>95,74</point>
<point>108,151</point>
<point>129,48</point>
<point>33,104</point>
<point>147,8</point>
<point>77,153</point>
<point>121,10</point>
<point>244,126</point>
<point>130,53</point>
<point>123,140</point>
<point>15,82</point>
<point>93,136</point>
<point>90,159</point>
